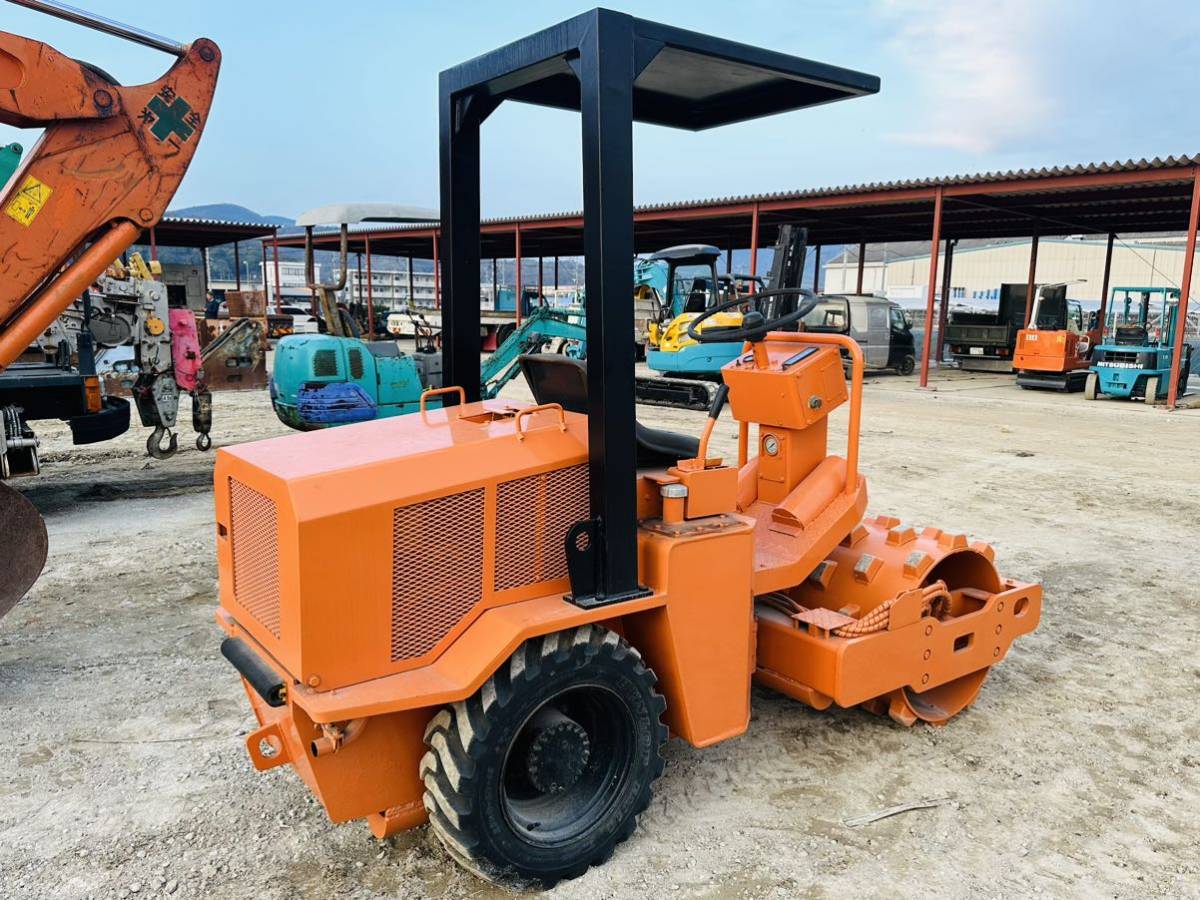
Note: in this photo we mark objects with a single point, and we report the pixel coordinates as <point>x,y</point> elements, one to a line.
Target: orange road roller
<point>492,616</point>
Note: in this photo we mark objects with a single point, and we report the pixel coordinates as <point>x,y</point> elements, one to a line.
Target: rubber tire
<point>468,743</point>
<point>908,366</point>
<point>1151,394</point>
<point>1091,387</point>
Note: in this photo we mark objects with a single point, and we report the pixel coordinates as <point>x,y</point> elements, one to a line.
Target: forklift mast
<point>787,266</point>
<point>614,70</point>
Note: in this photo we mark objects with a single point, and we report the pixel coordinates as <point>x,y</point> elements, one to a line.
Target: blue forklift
<point>1135,360</point>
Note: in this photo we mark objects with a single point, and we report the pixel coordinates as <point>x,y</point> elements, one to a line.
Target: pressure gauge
<point>770,445</point>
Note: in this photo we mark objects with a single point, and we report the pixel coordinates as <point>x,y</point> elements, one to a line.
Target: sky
<point>323,103</point>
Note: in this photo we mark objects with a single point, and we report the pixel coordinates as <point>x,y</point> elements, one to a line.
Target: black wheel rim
<point>547,819</point>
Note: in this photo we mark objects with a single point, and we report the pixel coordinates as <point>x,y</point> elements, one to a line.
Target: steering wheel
<point>754,325</point>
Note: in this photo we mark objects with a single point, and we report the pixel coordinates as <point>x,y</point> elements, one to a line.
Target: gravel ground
<point>1075,774</point>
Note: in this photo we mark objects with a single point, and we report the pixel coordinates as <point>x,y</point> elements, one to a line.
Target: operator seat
<point>562,380</point>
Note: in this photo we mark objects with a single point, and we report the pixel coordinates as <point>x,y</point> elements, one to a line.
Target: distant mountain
<point>230,212</point>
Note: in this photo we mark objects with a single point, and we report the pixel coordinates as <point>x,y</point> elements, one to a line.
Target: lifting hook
<point>155,446</point>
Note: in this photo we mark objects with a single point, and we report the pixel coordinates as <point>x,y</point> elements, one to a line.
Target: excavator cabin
<point>491,615</point>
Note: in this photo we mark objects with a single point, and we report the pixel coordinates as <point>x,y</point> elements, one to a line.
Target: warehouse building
<point>901,270</point>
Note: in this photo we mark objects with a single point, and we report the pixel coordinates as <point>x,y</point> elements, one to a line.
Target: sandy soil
<point>1077,773</point>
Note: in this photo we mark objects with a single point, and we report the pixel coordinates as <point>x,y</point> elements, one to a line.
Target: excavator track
<point>677,393</point>
<point>25,547</point>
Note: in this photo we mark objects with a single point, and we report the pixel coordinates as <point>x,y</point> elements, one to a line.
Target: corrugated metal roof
<point>1101,168</point>
<point>981,178</point>
<point>216,223</point>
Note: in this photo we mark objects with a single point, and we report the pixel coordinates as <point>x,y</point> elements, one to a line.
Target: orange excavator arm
<point>106,167</point>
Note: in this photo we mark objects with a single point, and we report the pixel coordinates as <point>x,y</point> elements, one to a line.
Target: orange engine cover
<point>1048,351</point>
<point>359,552</point>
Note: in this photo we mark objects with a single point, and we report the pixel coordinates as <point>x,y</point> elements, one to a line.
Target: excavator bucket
<point>25,547</point>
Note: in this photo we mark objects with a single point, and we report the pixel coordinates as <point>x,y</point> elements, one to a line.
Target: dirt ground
<point>1077,773</point>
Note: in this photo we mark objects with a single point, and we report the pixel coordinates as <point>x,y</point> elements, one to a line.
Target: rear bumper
<point>112,421</point>
<point>1124,383</point>
<point>983,363</point>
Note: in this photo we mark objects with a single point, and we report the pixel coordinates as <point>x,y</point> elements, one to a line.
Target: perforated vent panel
<point>356,364</point>
<point>437,569</point>
<point>325,364</point>
<point>254,531</point>
<point>533,516</point>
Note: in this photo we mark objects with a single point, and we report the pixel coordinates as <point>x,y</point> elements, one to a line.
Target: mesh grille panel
<point>325,364</point>
<point>437,569</point>
<point>356,364</point>
<point>533,516</point>
<point>254,531</point>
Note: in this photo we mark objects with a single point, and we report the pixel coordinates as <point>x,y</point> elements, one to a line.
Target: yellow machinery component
<point>675,336</point>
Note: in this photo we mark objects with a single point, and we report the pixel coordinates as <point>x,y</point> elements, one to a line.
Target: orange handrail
<point>434,392</point>
<point>530,410</point>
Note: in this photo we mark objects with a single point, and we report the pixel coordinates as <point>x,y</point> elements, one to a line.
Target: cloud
<point>977,72</point>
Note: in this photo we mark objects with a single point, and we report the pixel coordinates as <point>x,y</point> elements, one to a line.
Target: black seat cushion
<point>562,380</point>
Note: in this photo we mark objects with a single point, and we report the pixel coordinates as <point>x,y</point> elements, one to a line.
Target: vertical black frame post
<point>459,151</point>
<point>606,74</point>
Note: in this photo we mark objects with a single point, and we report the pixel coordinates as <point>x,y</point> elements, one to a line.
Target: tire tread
<point>456,738</point>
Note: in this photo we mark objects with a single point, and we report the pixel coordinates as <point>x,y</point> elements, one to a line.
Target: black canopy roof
<point>686,80</point>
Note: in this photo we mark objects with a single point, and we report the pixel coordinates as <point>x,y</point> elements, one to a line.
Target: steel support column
<point>934,243</point>
<point>862,262</point>
<point>153,245</point>
<point>412,287</point>
<point>1185,290</point>
<point>370,292</point>
<point>729,260</point>
<point>517,282</point>
<point>944,306</point>
<point>266,292</point>
<point>1031,285</point>
<point>237,266</point>
<point>278,289</point>
<point>1103,314</point>
<point>541,276</point>
<point>556,273</point>
<point>357,293</point>
<point>817,268</point>
<point>754,242</point>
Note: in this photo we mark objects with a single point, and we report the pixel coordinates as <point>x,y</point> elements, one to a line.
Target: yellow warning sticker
<point>28,201</point>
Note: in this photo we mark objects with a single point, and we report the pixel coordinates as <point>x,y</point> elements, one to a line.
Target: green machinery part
<point>10,158</point>
<point>544,324</point>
